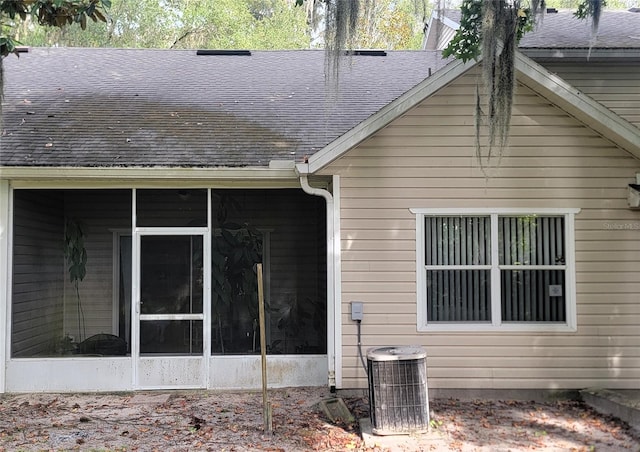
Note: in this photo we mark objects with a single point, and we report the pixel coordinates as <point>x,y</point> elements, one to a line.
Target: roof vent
<point>551,10</point>
<point>22,49</point>
<point>363,52</point>
<point>223,52</point>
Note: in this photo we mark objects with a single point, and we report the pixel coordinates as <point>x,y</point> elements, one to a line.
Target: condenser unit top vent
<point>396,353</point>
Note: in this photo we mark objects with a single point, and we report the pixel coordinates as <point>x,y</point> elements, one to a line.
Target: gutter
<point>333,298</point>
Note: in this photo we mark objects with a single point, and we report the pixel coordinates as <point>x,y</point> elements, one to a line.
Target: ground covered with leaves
<point>233,421</point>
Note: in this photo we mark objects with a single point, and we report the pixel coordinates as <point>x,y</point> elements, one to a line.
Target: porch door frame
<point>205,317</point>
<point>137,316</point>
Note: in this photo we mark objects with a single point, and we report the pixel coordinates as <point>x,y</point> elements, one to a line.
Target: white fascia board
<point>387,114</point>
<point>139,176</point>
<point>450,23</point>
<point>579,105</point>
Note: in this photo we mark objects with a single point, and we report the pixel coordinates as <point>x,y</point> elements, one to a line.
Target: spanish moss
<point>341,25</point>
<point>1,86</point>
<point>492,29</point>
<point>591,9</point>
<point>499,32</point>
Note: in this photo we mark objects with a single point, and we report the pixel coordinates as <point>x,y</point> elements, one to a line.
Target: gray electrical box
<point>356,310</point>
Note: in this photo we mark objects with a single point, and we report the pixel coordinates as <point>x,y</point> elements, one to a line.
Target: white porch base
<point>244,372</point>
<point>115,374</point>
<point>69,374</point>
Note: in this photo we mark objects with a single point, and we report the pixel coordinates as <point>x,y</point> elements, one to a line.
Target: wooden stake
<point>266,405</point>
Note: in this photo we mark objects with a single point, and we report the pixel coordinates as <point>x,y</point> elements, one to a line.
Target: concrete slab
<point>623,404</point>
<point>336,410</point>
<point>431,440</point>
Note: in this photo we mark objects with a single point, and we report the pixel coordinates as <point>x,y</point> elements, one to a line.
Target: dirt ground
<point>232,421</point>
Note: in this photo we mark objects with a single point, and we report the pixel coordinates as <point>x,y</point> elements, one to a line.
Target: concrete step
<point>621,403</point>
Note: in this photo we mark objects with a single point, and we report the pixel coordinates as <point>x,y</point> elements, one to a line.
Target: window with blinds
<point>532,268</point>
<point>524,256</point>
<point>458,263</point>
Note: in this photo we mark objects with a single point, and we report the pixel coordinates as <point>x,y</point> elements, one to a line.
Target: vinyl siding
<point>102,212</point>
<point>617,86</point>
<point>426,159</point>
<point>438,35</point>
<point>38,268</point>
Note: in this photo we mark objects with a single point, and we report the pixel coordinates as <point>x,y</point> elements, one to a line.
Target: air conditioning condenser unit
<point>398,396</point>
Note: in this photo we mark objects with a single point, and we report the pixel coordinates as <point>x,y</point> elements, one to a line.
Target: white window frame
<point>496,324</point>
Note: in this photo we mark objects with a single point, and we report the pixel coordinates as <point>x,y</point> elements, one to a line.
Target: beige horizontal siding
<point>590,354</point>
<point>617,87</point>
<point>38,266</point>
<point>101,211</point>
<point>427,159</point>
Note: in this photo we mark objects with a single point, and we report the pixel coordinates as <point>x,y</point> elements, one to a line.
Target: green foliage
<point>74,249</point>
<point>465,45</point>
<point>224,24</point>
<point>391,24</point>
<point>235,251</point>
<point>50,13</point>
<point>591,9</point>
<point>234,24</point>
<point>76,257</point>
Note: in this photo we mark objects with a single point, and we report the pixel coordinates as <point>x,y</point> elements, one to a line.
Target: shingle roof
<point>561,29</point>
<point>617,29</point>
<point>116,107</point>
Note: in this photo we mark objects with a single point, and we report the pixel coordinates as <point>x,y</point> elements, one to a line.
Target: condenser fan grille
<point>398,397</point>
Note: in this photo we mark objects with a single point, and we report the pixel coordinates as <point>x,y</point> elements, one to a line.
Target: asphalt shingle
<point>121,107</point>
<point>617,29</point>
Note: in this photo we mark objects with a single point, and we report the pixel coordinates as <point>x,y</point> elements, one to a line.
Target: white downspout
<point>331,283</point>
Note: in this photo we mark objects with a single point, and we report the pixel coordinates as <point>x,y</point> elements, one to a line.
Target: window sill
<point>503,328</point>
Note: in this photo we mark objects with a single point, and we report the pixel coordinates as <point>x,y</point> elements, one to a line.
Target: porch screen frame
<point>118,235</point>
<point>496,323</point>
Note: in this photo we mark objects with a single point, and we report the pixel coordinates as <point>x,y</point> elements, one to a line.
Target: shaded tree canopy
<point>232,24</point>
<point>50,13</point>
<point>224,24</point>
